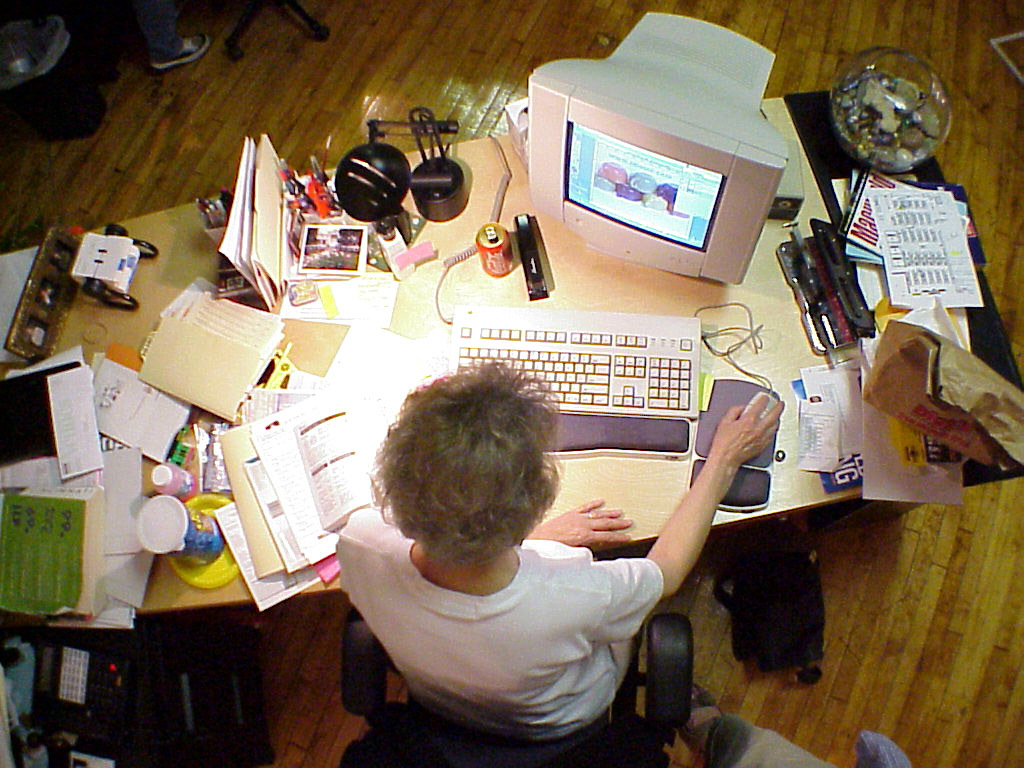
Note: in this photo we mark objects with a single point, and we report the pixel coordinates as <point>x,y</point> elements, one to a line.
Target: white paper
<point>340,448</point>
<point>269,590</point>
<point>74,421</point>
<point>273,514</point>
<point>922,237</point>
<point>73,355</point>
<point>841,387</point>
<point>136,414</point>
<point>127,577</point>
<point>115,615</point>
<point>236,244</point>
<point>236,322</point>
<point>122,492</point>
<point>368,300</point>
<point>399,366</point>
<point>819,436</point>
<point>260,403</point>
<point>43,472</point>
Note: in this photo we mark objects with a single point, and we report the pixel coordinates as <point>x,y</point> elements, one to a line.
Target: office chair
<point>319,31</point>
<point>410,736</point>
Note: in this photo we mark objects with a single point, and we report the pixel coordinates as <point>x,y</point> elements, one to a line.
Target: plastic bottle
<point>173,480</point>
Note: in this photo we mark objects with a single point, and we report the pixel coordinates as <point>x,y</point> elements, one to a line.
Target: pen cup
<point>167,526</point>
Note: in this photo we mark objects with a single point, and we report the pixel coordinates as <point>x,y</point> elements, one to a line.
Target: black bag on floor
<point>777,609</point>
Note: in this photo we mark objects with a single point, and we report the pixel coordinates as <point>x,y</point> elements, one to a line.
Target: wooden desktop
<point>646,489</point>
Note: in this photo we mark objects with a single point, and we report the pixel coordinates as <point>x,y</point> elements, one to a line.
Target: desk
<point>646,489</point>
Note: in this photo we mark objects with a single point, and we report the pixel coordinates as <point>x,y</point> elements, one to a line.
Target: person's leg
<point>158,20</point>
<point>732,742</point>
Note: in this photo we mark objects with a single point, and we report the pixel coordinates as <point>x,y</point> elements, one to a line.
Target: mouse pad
<point>725,393</point>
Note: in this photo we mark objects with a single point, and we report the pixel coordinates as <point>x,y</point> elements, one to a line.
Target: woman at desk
<point>496,620</point>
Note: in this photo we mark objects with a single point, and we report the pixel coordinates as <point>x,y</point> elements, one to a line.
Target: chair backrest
<point>407,734</point>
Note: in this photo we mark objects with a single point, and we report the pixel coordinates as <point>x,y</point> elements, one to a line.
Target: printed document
<point>317,455</point>
<point>924,244</point>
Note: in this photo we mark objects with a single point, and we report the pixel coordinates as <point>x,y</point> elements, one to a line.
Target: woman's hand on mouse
<point>741,436</point>
<point>588,525</point>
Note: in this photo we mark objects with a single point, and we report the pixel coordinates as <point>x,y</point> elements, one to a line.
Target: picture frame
<point>332,251</point>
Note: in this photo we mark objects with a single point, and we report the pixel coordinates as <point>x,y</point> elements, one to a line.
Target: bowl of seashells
<point>889,109</point>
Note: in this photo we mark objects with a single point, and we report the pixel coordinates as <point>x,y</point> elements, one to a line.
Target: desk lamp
<point>373,178</point>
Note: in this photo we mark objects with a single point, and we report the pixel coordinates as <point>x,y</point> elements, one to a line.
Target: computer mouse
<point>725,394</point>
<point>751,487</point>
<point>761,403</point>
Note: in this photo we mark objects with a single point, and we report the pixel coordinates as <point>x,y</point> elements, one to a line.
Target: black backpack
<point>777,609</point>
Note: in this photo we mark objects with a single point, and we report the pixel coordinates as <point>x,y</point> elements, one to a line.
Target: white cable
<point>747,333</point>
<point>448,263</point>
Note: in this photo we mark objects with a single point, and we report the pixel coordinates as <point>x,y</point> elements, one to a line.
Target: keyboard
<point>621,380</point>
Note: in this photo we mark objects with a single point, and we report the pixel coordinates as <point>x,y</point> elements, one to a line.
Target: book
<point>52,551</point>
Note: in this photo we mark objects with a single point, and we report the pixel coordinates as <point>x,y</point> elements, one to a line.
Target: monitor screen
<point>645,190</point>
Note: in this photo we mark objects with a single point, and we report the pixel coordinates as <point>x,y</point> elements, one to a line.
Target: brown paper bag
<point>934,385</point>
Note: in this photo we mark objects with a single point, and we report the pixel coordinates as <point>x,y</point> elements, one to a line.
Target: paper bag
<point>933,385</point>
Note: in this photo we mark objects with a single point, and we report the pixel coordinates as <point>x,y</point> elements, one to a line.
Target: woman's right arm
<point>738,439</point>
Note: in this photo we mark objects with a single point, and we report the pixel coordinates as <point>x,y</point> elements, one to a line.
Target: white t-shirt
<point>540,658</point>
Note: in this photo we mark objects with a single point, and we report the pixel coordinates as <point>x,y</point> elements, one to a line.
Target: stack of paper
<point>253,239</point>
<point>921,235</point>
<point>210,352</point>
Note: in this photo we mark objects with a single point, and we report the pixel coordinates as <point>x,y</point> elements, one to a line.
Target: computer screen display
<point>659,195</point>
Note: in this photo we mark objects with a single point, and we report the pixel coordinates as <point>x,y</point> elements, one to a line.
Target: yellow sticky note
<point>327,299</point>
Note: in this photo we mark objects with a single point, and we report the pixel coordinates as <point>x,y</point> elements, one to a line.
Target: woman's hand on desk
<point>588,525</point>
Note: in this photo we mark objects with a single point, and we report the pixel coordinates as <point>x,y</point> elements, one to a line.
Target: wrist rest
<point>587,432</point>
<point>749,489</point>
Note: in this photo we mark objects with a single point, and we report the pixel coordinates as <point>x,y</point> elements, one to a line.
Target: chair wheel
<point>234,51</point>
<point>321,32</point>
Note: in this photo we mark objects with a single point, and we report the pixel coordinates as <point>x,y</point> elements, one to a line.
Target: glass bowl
<point>889,109</point>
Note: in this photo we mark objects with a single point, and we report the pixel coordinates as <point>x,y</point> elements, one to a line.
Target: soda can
<point>495,248</point>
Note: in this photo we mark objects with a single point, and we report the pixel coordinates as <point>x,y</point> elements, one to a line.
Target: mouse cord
<point>448,263</point>
<point>747,333</point>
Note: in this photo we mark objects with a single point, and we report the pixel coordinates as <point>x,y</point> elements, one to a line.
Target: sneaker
<point>192,48</point>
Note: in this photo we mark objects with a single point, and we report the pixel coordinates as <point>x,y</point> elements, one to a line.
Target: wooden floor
<point>925,638</point>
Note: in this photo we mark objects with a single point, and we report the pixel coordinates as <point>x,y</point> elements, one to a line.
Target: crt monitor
<point>659,154</point>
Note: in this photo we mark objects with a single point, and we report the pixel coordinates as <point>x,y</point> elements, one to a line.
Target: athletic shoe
<point>192,48</point>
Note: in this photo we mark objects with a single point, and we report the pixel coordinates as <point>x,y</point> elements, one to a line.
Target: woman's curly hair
<point>465,470</point>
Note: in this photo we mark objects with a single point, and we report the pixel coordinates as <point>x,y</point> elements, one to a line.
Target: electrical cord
<point>458,258</point>
<point>447,264</point>
<point>746,333</point>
